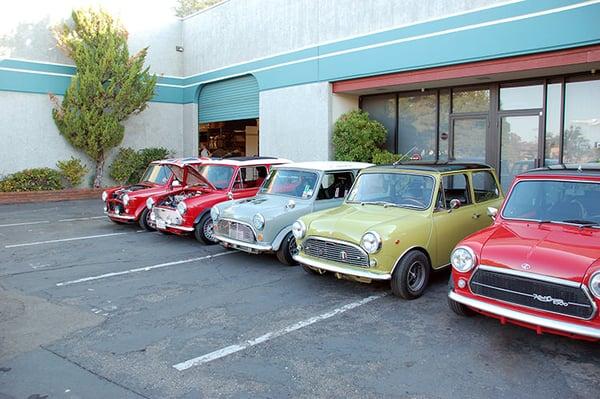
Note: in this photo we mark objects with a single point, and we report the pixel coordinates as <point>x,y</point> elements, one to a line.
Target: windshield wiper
<point>384,203</point>
<point>583,223</point>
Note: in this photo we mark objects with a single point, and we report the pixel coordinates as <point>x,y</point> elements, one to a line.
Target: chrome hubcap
<point>415,276</point>
<point>209,230</point>
<point>292,247</point>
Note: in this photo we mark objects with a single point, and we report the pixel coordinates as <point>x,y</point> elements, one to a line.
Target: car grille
<point>115,207</point>
<point>169,216</point>
<point>336,252</point>
<point>532,293</point>
<point>235,230</point>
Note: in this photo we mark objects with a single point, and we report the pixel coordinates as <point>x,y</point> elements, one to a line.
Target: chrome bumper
<point>244,246</point>
<point>176,227</point>
<point>558,325</point>
<point>119,216</point>
<point>342,270</point>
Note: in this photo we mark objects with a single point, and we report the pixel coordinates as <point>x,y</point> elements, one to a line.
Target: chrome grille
<point>235,230</point>
<point>335,251</point>
<point>532,293</point>
<point>169,216</point>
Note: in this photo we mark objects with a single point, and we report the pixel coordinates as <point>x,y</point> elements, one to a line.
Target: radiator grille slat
<point>537,294</point>
<point>235,230</point>
<point>336,252</point>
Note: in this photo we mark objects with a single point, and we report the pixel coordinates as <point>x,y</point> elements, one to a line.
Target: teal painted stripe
<point>231,99</point>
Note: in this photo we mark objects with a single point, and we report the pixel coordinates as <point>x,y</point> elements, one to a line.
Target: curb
<point>25,197</point>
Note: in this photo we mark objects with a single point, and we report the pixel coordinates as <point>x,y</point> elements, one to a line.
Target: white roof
<point>180,161</point>
<point>248,161</point>
<point>327,165</point>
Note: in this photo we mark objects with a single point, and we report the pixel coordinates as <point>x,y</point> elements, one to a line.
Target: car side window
<point>253,176</point>
<point>484,186</point>
<point>335,185</point>
<point>454,187</point>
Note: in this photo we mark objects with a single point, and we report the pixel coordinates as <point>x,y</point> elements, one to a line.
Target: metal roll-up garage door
<point>229,100</point>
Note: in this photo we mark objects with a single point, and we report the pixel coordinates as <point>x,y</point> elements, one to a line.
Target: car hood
<point>549,249</point>
<point>270,206</point>
<point>350,221</point>
<point>139,190</point>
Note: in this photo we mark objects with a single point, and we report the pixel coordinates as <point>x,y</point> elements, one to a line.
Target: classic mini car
<point>264,223</point>
<point>538,265</point>
<point>399,222</point>
<point>127,204</point>
<point>188,210</point>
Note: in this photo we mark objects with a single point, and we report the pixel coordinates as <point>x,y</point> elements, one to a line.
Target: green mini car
<point>399,222</point>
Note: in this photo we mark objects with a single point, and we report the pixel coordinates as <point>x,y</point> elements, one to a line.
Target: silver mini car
<point>264,223</point>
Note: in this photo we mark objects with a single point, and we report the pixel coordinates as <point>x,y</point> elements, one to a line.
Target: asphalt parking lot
<point>91,309</point>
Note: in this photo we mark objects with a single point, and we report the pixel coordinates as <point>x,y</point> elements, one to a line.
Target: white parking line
<point>27,244</point>
<point>143,269</point>
<point>24,223</point>
<point>209,357</point>
<point>80,219</point>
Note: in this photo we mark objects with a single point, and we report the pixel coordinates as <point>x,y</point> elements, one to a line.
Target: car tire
<point>144,218</point>
<point>285,252</point>
<point>411,275</point>
<point>310,270</point>
<point>204,229</point>
<point>457,307</point>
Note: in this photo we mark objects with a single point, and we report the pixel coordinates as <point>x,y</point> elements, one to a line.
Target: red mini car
<point>188,210</point>
<point>538,265</point>
<point>127,204</point>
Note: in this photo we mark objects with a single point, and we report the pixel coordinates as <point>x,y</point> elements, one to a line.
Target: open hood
<point>192,177</point>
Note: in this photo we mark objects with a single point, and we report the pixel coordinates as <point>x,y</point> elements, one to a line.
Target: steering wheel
<point>580,205</point>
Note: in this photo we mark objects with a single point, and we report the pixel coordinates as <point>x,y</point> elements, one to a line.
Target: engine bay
<point>174,199</point>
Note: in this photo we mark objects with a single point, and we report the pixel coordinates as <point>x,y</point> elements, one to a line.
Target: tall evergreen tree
<point>108,87</point>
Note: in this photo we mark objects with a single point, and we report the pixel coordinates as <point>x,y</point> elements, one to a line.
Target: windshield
<point>218,175</point>
<point>294,183</point>
<point>158,174</point>
<point>554,201</point>
<point>393,189</point>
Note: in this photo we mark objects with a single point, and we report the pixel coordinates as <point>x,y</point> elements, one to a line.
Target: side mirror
<point>492,212</point>
<point>455,204</point>
<point>230,195</point>
<point>176,183</point>
<point>291,204</point>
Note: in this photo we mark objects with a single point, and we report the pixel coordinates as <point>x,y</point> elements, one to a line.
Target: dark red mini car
<point>127,204</point>
<point>538,265</point>
<point>188,210</point>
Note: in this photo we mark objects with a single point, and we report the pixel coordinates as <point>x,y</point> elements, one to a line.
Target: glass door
<point>468,138</point>
<point>519,147</point>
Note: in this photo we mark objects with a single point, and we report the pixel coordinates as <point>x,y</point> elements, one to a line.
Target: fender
<point>201,215</point>
<point>139,210</point>
<point>280,236</point>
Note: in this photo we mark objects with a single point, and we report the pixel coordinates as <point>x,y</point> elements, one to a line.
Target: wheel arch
<point>409,250</point>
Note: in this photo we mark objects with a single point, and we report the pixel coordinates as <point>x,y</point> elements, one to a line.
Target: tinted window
<point>159,174</point>
<point>290,182</point>
<point>218,175</point>
<point>455,187</point>
<point>554,201</point>
<point>400,189</point>
<point>582,122</point>
<point>484,186</point>
<point>335,185</point>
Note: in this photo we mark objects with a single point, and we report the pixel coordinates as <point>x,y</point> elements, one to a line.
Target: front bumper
<point>120,216</point>
<point>347,270</point>
<point>550,324</point>
<point>249,247</point>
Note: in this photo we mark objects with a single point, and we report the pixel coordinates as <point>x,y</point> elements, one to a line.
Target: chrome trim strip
<point>182,228</point>
<point>342,270</point>
<point>526,318</point>
<point>259,247</point>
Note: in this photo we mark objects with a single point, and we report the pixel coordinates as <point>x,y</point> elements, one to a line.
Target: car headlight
<point>463,259</point>
<point>214,214</point>
<point>370,242</point>
<point>104,196</point>
<point>149,203</point>
<point>595,285</point>
<point>181,208</point>
<point>258,221</point>
<point>298,229</point>
<point>126,199</point>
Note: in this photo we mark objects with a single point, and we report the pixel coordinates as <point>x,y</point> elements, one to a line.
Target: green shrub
<point>73,170</point>
<point>356,137</point>
<point>37,179</point>
<point>386,157</point>
<point>129,164</point>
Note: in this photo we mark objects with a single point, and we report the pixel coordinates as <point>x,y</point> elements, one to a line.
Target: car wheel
<point>310,270</point>
<point>287,250</point>
<point>457,307</point>
<point>145,219</point>
<point>204,232</point>
<point>411,275</point>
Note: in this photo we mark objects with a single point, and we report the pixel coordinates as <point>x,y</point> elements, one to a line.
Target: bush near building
<point>73,170</point>
<point>386,157</point>
<point>36,179</point>
<point>129,164</point>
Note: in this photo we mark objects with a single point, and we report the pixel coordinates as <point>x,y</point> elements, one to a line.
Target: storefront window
<point>417,126</point>
<point>444,129</point>
<point>382,108</point>
<point>471,100</point>
<point>552,145</point>
<point>582,122</point>
<point>521,97</point>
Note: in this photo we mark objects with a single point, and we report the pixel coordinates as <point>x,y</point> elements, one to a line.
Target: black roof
<point>566,169</point>
<point>437,166</point>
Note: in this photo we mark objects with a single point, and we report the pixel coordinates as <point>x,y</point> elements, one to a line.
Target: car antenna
<point>404,156</point>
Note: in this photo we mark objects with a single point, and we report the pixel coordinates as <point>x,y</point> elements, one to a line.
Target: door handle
<point>476,215</point>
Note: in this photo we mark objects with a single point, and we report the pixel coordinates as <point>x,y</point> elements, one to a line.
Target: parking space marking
<point>209,357</point>
<point>24,223</point>
<point>142,269</point>
<point>80,219</point>
<point>28,244</point>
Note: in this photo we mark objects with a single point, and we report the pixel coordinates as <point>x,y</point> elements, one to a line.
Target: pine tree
<point>108,87</point>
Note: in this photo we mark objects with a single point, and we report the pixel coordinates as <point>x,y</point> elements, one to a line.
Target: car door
<point>333,188</point>
<point>247,181</point>
<point>486,193</point>
<point>452,225</point>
